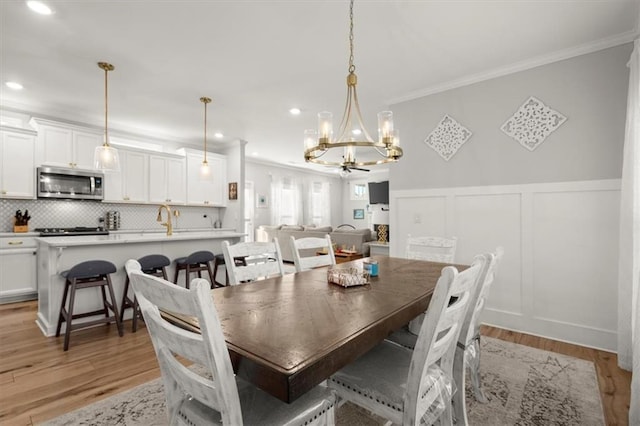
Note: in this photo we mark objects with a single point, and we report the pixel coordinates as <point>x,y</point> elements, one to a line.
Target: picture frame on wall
<point>358,213</point>
<point>261,201</point>
<point>233,190</point>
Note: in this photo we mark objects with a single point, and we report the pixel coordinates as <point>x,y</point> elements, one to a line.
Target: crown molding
<point>557,56</point>
<point>302,168</point>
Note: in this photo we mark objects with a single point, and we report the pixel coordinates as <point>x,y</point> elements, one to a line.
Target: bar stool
<point>196,262</point>
<point>219,260</point>
<point>92,273</point>
<point>153,264</point>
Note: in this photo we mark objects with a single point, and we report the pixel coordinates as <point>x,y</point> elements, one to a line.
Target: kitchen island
<point>57,254</point>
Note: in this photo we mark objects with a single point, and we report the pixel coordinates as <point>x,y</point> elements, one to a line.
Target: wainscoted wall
<point>558,275</point>
<point>63,213</point>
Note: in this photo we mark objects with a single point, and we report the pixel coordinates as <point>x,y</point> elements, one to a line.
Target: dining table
<point>287,334</point>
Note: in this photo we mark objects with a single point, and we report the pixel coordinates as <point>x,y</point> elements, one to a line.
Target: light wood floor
<point>39,381</point>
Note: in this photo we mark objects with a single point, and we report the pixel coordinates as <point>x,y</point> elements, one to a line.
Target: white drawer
<point>17,242</point>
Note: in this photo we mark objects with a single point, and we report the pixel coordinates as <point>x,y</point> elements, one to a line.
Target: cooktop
<point>77,230</point>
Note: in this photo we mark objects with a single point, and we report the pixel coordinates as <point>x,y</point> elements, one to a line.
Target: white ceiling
<point>259,58</point>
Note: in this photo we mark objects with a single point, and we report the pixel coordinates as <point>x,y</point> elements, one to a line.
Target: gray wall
<point>590,90</point>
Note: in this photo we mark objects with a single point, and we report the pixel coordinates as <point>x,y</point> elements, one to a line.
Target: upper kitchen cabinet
<point>130,184</point>
<point>17,163</point>
<point>167,179</point>
<point>65,145</point>
<point>210,192</point>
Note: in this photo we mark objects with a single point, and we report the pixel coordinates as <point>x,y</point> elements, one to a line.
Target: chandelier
<point>352,134</point>
<point>105,157</point>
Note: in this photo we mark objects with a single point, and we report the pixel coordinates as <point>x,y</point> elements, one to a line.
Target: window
<point>287,201</point>
<point>319,204</point>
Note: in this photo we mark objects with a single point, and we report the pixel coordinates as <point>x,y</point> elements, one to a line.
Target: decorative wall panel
<point>448,137</point>
<point>532,123</point>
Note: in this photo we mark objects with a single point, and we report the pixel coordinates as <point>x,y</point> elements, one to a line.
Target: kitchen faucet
<point>168,222</point>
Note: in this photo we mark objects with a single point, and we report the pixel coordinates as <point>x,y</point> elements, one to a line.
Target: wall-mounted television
<point>379,192</point>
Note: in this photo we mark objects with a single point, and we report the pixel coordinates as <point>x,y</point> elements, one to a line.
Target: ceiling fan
<point>347,169</point>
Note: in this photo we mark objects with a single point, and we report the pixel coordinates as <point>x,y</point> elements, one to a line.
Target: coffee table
<point>342,257</point>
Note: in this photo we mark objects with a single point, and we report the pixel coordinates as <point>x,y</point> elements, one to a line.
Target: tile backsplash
<point>68,213</point>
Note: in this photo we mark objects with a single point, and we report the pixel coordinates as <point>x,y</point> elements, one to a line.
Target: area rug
<point>525,386</point>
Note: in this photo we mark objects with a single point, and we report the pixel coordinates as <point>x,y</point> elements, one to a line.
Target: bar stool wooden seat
<point>153,264</point>
<point>196,262</point>
<point>92,273</point>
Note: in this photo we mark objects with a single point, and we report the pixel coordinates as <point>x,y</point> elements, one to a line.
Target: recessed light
<point>39,7</point>
<point>218,135</point>
<point>356,131</point>
<point>255,154</point>
<point>13,85</point>
<point>294,111</point>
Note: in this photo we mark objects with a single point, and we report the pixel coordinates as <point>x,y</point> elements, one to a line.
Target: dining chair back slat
<point>305,250</point>
<point>260,260</point>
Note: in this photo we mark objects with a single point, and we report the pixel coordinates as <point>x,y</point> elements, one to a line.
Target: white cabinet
<point>65,145</point>
<point>17,163</point>
<point>18,279</point>
<point>131,183</point>
<point>167,179</point>
<point>211,192</point>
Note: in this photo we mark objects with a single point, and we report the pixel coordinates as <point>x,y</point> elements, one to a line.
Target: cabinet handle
<point>4,192</point>
<point>15,243</point>
<point>206,202</point>
<point>168,200</point>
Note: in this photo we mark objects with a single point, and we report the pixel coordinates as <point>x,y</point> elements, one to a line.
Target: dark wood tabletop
<point>288,334</point>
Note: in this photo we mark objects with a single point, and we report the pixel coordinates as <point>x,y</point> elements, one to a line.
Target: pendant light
<point>106,157</point>
<point>352,134</point>
<point>205,169</point>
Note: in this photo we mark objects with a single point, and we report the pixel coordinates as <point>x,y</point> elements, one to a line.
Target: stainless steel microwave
<point>69,184</point>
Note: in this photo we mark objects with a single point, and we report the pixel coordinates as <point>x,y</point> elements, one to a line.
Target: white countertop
<point>118,237</point>
<point>162,230</point>
<point>19,234</point>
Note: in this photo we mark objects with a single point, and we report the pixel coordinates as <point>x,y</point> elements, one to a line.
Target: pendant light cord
<point>106,67</point>
<point>205,101</point>
<point>352,67</point>
<point>106,106</point>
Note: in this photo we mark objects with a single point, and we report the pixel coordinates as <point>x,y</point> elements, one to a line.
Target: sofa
<point>342,237</point>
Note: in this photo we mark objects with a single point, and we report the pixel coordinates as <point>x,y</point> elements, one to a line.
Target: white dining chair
<point>468,348</point>
<point>413,387</point>
<point>433,249</point>
<point>211,394</point>
<point>305,252</point>
<point>260,260</point>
